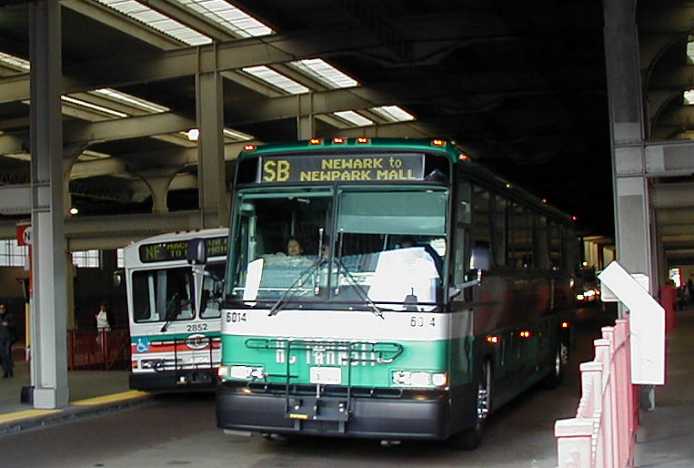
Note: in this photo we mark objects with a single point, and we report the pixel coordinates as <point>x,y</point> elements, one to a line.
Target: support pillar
<point>213,196</point>
<point>305,120</point>
<point>158,183</point>
<point>49,353</point>
<point>631,188</point>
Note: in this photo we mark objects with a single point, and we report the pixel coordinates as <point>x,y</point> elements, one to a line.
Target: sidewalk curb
<point>70,414</point>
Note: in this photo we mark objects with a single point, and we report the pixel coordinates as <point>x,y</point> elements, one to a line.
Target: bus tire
<point>470,439</point>
<point>556,375</point>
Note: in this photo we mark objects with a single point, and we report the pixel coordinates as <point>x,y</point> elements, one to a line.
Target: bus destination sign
<point>341,168</point>
<point>178,250</point>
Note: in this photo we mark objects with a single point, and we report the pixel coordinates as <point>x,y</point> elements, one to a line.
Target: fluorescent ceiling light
<point>228,16</point>
<point>236,135</point>
<point>130,100</point>
<point>278,80</point>
<point>14,62</point>
<point>156,20</point>
<point>325,73</point>
<point>354,118</point>
<point>94,107</point>
<point>393,113</point>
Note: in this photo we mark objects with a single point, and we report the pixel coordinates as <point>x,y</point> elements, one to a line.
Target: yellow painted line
<point>114,398</point>
<point>26,414</point>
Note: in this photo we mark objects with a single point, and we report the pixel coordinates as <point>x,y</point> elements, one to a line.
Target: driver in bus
<point>294,248</point>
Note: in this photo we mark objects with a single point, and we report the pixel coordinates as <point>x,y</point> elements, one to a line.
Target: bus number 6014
<point>235,317</point>
<point>417,321</point>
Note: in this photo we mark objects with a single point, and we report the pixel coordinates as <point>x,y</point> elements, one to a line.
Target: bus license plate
<point>326,375</point>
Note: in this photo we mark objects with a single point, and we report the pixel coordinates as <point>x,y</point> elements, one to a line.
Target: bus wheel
<point>470,439</point>
<point>553,380</point>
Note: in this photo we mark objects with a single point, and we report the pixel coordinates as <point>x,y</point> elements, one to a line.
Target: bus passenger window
<point>499,231</point>
<point>520,241</point>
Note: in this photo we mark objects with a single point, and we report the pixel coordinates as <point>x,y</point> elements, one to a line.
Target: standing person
<point>6,338</point>
<point>102,324</point>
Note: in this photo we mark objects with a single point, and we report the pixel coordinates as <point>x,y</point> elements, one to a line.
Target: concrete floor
<point>83,384</point>
<point>180,431</point>
<point>666,437</point>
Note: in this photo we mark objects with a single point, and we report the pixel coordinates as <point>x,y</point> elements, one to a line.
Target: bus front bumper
<point>424,416</point>
<point>185,379</point>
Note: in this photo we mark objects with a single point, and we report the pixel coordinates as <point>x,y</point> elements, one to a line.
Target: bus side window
<point>541,248</point>
<point>499,231</point>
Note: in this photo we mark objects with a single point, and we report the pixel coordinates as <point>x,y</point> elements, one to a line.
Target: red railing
<point>602,433</point>
<point>99,350</point>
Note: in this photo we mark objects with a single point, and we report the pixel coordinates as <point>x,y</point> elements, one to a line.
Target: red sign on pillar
<point>24,239</point>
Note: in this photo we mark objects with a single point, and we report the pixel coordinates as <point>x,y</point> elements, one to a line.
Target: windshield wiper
<point>358,288</point>
<point>277,305</point>
<point>171,312</point>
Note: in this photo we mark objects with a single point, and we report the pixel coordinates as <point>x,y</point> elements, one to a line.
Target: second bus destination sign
<point>342,168</point>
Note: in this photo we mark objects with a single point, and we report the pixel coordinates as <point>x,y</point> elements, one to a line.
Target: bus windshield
<point>390,248</point>
<point>168,294</point>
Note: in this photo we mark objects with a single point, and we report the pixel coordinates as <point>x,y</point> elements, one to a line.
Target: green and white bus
<point>174,344</point>
<point>421,294</point>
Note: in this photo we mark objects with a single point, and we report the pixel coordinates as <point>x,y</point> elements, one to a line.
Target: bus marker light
<point>315,141</point>
<point>565,324</point>
<point>438,142</point>
<point>464,157</point>
<point>493,339</point>
<point>249,147</point>
<point>363,140</point>
<point>339,140</point>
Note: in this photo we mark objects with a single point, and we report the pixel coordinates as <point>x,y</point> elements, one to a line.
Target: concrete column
<point>305,120</point>
<point>213,196</point>
<point>158,182</point>
<point>49,353</point>
<point>631,189</point>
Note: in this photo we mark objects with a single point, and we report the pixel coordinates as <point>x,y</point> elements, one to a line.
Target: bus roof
<point>181,235</point>
<point>447,148</point>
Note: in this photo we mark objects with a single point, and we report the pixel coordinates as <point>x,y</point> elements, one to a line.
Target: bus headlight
<point>242,372</point>
<point>419,379</point>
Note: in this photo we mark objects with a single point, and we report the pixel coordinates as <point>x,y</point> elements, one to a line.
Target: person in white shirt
<point>102,324</point>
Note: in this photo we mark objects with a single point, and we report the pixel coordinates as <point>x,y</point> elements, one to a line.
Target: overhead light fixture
<point>74,211</point>
<point>193,134</point>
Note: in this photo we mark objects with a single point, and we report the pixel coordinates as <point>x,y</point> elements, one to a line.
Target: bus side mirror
<point>197,258</point>
<point>117,279</point>
<point>480,259</point>
<point>197,251</point>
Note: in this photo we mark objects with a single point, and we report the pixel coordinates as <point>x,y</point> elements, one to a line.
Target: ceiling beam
<point>230,55</point>
<point>11,144</point>
<point>127,128</point>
